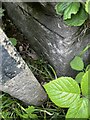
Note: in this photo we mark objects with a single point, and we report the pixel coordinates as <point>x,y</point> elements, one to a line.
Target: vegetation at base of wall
<point>13,41</point>
<point>74,94</point>
<point>74,13</point>
<point>11,108</point>
<point>1,12</point>
<point>66,93</point>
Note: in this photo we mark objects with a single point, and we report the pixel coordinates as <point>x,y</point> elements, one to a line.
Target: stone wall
<point>48,35</point>
<point>16,78</point>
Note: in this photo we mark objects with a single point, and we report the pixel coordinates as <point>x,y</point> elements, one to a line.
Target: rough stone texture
<point>16,78</point>
<point>0,16</point>
<point>48,35</point>
<point>9,66</point>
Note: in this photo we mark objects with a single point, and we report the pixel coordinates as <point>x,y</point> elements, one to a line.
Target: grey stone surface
<point>9,66</point>
<point>48,35</point>
<point>0,16</point>
<point>16,78</point>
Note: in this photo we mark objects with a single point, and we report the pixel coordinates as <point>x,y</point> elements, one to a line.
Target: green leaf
<point>30,109</point>
<point>1,12</point>
<point>89,107</point>
<point>79,76</point>
<point>77,19</point>
<point>60,7</point>
<point>84,50</point>
<point>14,41</point>
<point>63,91</point>
<point>25,116</point>
<point>87,6</point>
<point>22,115</point>
<point>77,63</point>
<point>88,67</point>
<point>79,110</point>
<point>73,8</point>
<point>33,116</point>
<point>85,84</point>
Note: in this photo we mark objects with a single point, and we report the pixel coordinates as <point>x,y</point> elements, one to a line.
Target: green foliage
<point>12,109</point>
<point>84,50</point>
<point>65,92</point>
<point>1,12</point>
<point>77,19</point>
<point>28,113</point>
<point>73,8</point>
<point>88,67</point>
<point>79,110</point>
<point>74,13</point>
<point>79,76</point>
<point>87,6</point>
<point>41,69</point>
<point>14,41</point>
<point>60,7</point>
<point>77,63</point>
<point>85,84</point>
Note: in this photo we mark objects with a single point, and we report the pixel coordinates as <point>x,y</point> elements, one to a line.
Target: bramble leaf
<point>77,19</point>
<point>73,8</point>
<point>79,110</point>
<point>88,67</point>
<point>85,84</point>
<point>79,76</point>
<point>63,91</point>
<point>60,7</point>
<point>77,63</point>
<point>87,6</point>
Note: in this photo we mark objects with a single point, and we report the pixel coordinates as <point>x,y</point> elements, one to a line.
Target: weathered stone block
<point>48,35</point>
<point>16,78</point>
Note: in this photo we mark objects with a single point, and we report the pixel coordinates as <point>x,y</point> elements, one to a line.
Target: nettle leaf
<point>79,110</point>
<point>79,76</point>
<point>77,63</point>
<point>87,6</point>
<point>73,8</point>
<point>77,19</point>
<point>85,84</point>
<point>14,41</point>
<point>63,91</point>
<point>60,7</point>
